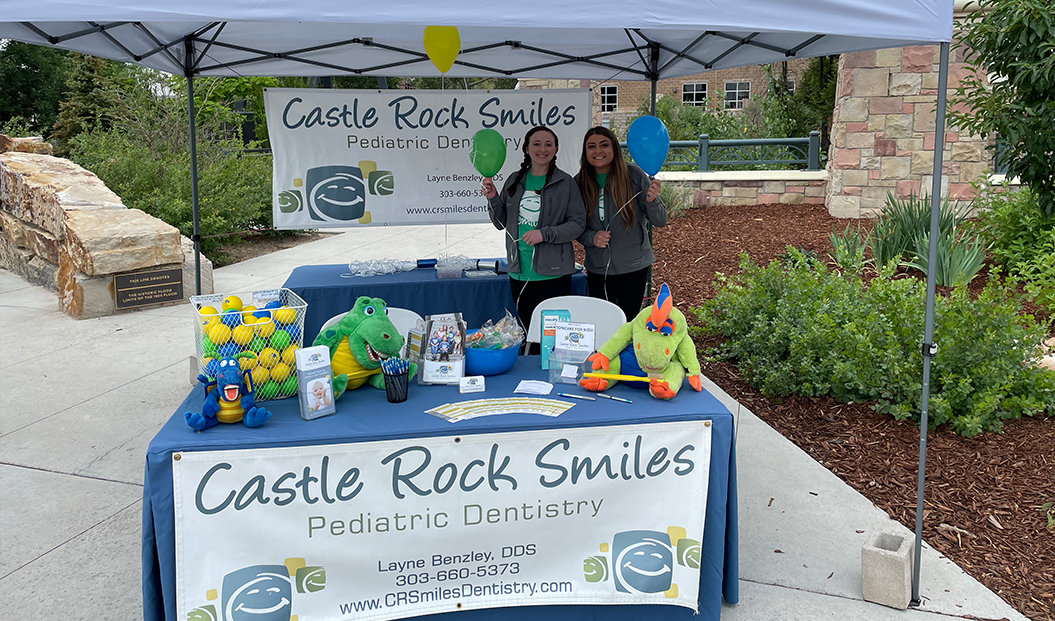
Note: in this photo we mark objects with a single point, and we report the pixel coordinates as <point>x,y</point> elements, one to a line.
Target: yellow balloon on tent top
<point>232,302</point>
<point>442,44</point>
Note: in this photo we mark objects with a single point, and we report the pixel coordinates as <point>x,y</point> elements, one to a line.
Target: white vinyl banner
<point>395,529</point>
<point>353,157</point>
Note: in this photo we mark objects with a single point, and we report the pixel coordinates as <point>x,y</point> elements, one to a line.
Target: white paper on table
<point>533,387</point>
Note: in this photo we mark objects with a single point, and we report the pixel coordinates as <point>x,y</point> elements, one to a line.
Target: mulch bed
<point>983,495</point>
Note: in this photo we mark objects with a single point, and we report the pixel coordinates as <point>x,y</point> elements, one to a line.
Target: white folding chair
<point>604,315</point>
<point>404,320</point>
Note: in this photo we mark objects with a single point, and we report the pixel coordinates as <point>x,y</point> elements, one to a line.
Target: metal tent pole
<point>929,348</point>
<point>653,71</point>
<point>188,73</point>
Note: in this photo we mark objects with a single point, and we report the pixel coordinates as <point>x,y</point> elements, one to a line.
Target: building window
<point>736,93</point>
<point>609,98</point>
<point>694,93</point>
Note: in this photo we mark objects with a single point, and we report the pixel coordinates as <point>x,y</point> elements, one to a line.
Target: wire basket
<point>267,324</point>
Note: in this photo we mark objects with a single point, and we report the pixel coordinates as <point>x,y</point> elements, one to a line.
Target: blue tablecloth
<point>479,299</point>
<point>366,416</point>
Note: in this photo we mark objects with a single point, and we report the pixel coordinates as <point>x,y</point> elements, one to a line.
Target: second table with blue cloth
<point>329,292</point>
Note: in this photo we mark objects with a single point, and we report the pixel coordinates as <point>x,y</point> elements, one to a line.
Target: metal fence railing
<point>705,154</point>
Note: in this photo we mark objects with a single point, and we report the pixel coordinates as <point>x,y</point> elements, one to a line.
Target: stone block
<point>885,105</point>
<point>916,59</point>
<point>14,230</point>
<point>29,267</point>
<point>859,126</point>
<point>839,135</point>
<point>906,188</point>
<point>871,82</point>
<point>764,199</point>
<point>909,144</point>
<point>906,83</point>
<point>859,59</point>
<point>701,198</point>
<point>33,144</point>
<point>898,126</point>
<point>930,80</point>
<point>886,146</point>
<point>111,241</point>
<point>816,190</point>
<point>871,163</point>
<point>844,206</point>
<point>889,57</point>
<point>966,152</point>
<point>864,140</point>
<point>39,189</point>
<point>773,187</point>
<point>82,296</point>
<point>792,198</point>
<point>922,162</point>
<point>923,118</point>
<point>746,192</point>
<point>971,171</point>
<point>876,122</point>
<point>847,158</point>
<point>853,109</point>
<point>886,569</point>
<point>895,168</point>
<point>855,177</point>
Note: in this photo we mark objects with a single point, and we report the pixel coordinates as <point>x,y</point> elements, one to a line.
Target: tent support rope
<point>929,349</point>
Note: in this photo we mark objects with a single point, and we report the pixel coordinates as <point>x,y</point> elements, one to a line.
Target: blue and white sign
<point>395,529</point>
<point>351,157</point>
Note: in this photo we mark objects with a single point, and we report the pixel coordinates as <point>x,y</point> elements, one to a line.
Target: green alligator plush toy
<point>358,343</point>
<point>654,345</point>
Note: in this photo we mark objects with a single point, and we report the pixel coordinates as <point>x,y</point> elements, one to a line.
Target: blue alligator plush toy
<point>228,397</point>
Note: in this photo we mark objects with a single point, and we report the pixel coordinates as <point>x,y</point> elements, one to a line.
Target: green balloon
<point>488,152</point>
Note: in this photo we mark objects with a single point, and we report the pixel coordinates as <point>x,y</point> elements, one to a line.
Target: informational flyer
<point>395,529</point>
<point>346,158</point>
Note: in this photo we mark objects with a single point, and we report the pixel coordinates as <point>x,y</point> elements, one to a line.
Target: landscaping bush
<point>895,230</point>
<point>795,327</point>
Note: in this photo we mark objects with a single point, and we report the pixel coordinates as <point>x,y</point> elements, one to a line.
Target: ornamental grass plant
<point>796,327</point>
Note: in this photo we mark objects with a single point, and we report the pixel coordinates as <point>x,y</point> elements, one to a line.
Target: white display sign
<point>394,529</point>
<point>353,157</point>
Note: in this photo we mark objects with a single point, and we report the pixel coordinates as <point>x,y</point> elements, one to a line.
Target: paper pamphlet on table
<point>443,354</point>
<point>533,387</point>
<point>314,388</point>
<point>549,333</point>
<point>465,410</point>
<point>573,336</point>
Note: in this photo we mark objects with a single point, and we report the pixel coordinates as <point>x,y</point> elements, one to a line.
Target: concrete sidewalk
<point>81,400</point>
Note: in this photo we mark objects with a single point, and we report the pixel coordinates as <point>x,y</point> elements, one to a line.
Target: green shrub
<point>894,232</point>
<point>795,327</point>
<point>848,249</point>
<point>1012,224</point>
<point>959,258</point>
<point>676,198</point>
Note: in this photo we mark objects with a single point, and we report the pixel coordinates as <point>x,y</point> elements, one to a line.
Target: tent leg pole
<point>928,327</point>
<point>196,236</point>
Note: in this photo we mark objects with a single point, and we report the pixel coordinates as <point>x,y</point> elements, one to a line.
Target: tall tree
<point>34,82</point>
<point>1010,46</point>
<point>90,100</point>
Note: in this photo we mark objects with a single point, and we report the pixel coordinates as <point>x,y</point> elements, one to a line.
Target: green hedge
<point>795,327</point>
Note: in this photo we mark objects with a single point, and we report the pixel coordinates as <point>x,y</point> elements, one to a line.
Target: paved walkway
<point>81,400</point>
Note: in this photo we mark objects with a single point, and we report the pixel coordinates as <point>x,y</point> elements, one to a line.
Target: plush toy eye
<point>223,363</point>
<point>386,311</point>
<point>369,310</point>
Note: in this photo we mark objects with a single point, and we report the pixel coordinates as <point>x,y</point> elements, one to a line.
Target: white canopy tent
<point>581,39</point>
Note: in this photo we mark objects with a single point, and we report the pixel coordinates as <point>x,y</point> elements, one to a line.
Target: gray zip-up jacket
<point>629,250</point>
<point>562,218</point>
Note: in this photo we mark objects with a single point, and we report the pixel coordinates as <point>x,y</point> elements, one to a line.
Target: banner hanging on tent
<point>354,157</point>
<point>400,528</point>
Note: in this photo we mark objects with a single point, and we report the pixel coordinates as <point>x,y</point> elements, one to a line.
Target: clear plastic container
<point>561,357</point>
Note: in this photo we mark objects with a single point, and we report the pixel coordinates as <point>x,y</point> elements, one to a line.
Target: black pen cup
<point>396,387</point>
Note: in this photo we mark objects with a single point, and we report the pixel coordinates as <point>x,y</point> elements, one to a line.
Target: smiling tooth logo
<point>337,193</point>
<point>261,592</point>
<point>645,561</point>
<point>642,561</point>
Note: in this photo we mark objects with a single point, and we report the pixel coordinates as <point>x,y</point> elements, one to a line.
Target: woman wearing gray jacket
<point>541,211</point>
<point>620,202</point>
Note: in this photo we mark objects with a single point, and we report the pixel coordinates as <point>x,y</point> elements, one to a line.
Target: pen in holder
<point>397,379</point>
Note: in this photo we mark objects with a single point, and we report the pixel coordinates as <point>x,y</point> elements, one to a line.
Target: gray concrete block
<point>886,568</point>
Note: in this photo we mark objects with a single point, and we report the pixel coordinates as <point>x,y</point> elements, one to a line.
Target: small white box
<point>472,383</point>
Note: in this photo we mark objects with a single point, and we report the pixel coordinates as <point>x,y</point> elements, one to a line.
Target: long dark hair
<point>526,164</point>
<point>617,182</point>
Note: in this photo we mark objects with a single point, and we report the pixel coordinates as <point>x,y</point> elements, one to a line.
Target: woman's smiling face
<point>600,152</point>
<point>542,148</point>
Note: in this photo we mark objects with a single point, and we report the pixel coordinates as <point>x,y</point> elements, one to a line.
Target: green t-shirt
<point>601,178</point>
<point>530,205</point>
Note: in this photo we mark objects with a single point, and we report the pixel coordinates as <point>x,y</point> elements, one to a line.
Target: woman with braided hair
<point>620,203</point>
<point>541,211</point>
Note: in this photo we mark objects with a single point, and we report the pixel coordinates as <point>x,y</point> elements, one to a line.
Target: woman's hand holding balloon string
<point>488,187</point>
<point>654,188</point>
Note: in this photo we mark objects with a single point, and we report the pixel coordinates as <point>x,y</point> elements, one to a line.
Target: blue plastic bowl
<point>490,361</point>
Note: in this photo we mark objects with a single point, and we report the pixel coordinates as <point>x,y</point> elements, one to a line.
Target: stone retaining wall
<point>63,229</point>
<point>751,187</point>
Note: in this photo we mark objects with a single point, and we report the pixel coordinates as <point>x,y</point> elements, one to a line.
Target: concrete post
<point>886,569</point>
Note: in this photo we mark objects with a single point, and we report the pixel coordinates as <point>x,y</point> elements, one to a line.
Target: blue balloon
<point>648,143</point>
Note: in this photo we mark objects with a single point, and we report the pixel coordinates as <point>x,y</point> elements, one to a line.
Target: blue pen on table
<point>395,366</point>
<point>601,394</point>
<point>584,398</point>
